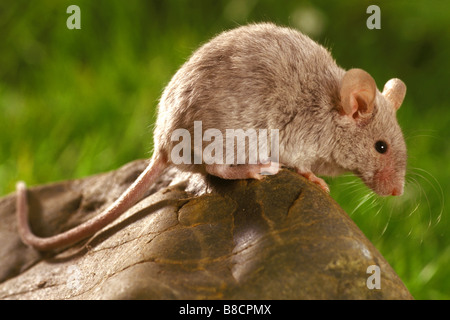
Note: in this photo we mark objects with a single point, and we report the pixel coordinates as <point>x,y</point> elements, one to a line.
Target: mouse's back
<point>255,76</point>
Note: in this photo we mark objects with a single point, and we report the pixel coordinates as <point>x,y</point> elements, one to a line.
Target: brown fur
<point>265,76</point>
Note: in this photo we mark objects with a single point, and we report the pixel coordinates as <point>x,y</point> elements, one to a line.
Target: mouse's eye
<point>381,146</point>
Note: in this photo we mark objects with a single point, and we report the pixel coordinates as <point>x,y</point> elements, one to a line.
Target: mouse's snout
<point>387,182</point>
<point>397,191</point>
<point>388,190</point>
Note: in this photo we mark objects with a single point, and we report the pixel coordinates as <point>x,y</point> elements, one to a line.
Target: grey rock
<point>193,238</point>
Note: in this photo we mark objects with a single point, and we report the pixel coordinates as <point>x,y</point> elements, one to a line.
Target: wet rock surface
<point>193,238</point>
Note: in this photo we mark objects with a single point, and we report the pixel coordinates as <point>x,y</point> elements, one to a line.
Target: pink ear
<point>358,91</point>
<point>395,91</point>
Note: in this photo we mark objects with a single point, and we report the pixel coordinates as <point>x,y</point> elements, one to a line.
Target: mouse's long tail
<point>132,195</point>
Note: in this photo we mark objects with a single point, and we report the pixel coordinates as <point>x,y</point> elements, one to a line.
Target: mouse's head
<point>370,139</point>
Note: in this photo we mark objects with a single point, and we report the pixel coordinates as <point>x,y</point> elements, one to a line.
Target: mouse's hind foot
<point>243,171</point>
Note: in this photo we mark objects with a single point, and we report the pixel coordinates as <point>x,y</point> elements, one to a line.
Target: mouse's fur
<point>264,76</point>
<point>270,77</point>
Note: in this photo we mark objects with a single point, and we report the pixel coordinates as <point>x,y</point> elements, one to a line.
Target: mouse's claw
<point>315,179</point>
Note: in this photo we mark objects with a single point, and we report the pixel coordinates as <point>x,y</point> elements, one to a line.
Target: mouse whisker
<point>436,188</point>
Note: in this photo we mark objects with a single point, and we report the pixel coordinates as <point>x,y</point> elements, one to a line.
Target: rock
<point>278,238</point>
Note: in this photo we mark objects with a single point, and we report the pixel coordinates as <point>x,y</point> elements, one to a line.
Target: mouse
<point>329,120</point>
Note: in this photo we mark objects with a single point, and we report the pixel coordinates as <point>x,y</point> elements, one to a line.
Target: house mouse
<point>329,120</point>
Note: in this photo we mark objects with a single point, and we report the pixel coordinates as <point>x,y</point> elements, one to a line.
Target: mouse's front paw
<point>315,179</point>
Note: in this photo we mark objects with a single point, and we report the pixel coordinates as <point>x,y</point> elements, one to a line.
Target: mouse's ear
<point>395,91</point>
<point>358,90</point>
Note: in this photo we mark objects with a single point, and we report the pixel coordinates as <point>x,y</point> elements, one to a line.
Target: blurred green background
<point>75,103</point>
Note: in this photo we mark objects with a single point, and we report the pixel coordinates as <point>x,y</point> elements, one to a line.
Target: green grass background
<point>75,103</point>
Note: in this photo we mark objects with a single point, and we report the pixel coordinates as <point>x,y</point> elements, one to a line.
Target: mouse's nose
<point>397,192</point>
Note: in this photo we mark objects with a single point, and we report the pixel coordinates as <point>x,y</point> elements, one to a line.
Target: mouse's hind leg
<point>243,171</point>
